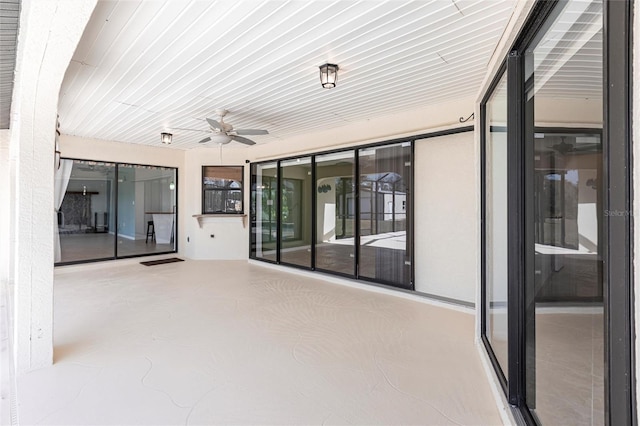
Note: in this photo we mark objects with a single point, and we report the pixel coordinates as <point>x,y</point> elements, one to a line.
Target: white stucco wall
<point>230,234</point>
<point>97,149</point>
<point>403,123</point>
<point>445,217</point>
<point>555,112</point>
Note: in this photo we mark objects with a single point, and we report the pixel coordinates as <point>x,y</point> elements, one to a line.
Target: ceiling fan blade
<point>588,147</point>
<point>251,132</point>
<point>213,123</point>
<point>191,130</point>
<point>205,140</point>
<point>243,140</point>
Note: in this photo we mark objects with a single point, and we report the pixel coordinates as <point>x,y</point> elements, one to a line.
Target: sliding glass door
<point>563,67</point>
<point>264,211</point>
<point>86,215</point>
<point>335,212</point>
<point>496,213</point>
<point>114,210</point>
<point>146,210</point>
<point>385,194</point>
<point>295,212</point>
<point>556,285</point>
<point>346,212</point>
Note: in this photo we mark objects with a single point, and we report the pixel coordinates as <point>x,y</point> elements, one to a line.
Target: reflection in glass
<point>564,73</point>
<point>264,211</point>
<point>496,250</point>
<point>85,217</point>
<point>385,181</point>
<point>295,205</point>
<point>335,210</point>
<point>146,209</point>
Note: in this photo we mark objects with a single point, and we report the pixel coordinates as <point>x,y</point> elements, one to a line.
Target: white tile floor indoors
<point>227,342</point>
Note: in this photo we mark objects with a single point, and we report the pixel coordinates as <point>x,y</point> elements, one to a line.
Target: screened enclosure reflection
<point>111,210</point>
<point>385,179</point>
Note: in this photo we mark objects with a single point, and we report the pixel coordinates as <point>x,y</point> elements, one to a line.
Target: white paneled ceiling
<point>9,23</point>
<point>144,67</point>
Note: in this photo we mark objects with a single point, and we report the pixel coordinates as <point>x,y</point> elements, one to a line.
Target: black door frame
<point>619,329</point>
<point>502,378</point>
<point>618,214</point>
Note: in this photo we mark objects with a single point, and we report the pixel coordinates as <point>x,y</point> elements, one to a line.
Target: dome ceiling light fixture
<point>328,75</point>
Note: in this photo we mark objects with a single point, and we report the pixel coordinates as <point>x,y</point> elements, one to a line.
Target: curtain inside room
<point>63,173</point>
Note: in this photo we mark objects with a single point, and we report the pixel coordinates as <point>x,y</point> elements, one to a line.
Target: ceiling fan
<point>223,133</point>
<point>565,148</point>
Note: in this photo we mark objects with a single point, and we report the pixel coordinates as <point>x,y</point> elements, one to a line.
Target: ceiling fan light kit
<point>221,138</point>
<point>328,75</point>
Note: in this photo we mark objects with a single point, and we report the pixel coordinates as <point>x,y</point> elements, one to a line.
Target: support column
<point>49,33</point>
<point>5,209</point>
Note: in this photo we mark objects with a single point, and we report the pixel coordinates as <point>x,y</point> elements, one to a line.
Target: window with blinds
<point>222,189</point>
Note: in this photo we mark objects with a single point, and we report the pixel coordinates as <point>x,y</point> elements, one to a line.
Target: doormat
<point>161,261</point>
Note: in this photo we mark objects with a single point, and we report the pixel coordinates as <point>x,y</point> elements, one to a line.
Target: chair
<point>151,232</point>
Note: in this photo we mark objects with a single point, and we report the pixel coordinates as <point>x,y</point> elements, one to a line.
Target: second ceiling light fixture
<point>328,75</point>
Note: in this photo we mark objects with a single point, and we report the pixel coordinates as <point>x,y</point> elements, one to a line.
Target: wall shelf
<point>211,218</point>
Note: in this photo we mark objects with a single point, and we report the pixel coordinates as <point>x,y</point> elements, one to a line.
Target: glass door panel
<point>264,211</point>
<point>565,342</point>
<point>295,207</point>
<point>85,217</point>
<point>335,212</point>
<point>496,236</point>
<point>146,210</point>
<point>385,200</point>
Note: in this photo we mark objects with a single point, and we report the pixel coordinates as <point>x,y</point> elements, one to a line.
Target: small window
<point>222,189</point>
